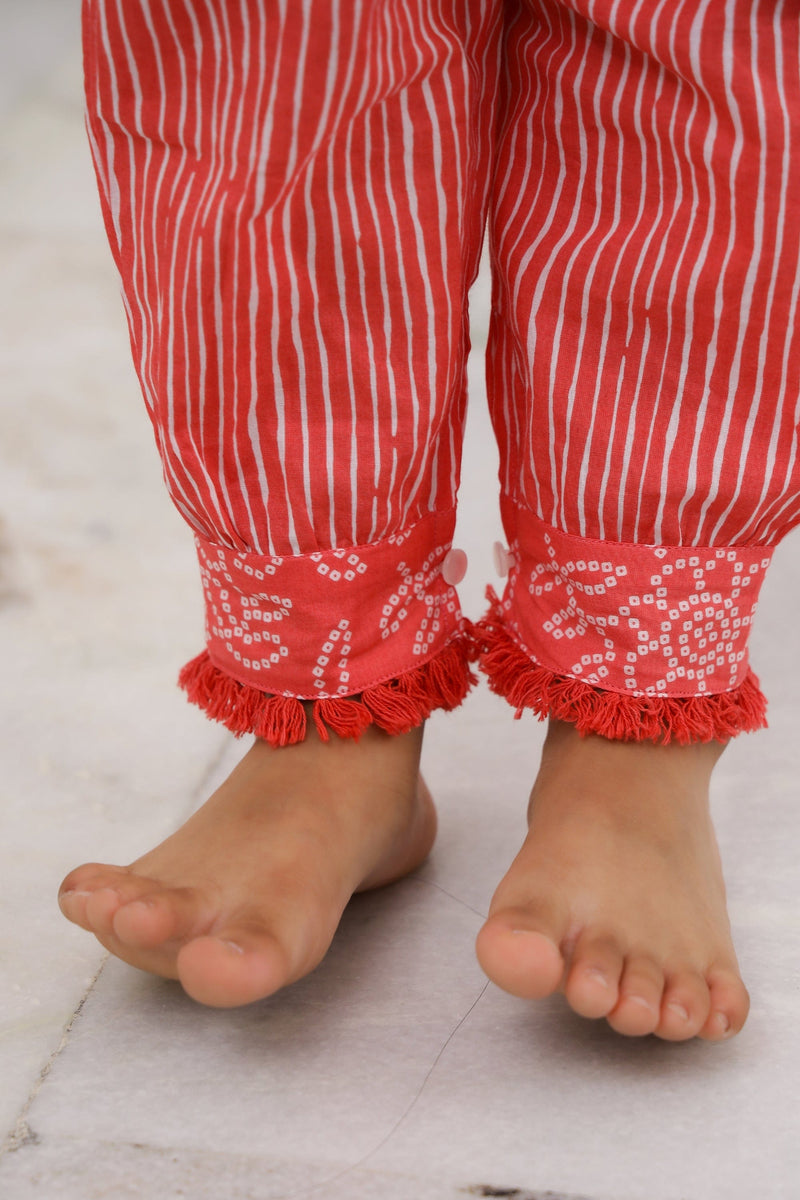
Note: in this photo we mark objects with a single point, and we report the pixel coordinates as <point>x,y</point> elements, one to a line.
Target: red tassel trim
<point>615,715</point>
<point>397,706</point>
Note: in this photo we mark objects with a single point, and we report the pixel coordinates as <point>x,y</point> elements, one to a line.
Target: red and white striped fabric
<point>295,192</point>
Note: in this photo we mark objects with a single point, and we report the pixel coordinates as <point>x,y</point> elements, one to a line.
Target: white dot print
<point>679,618</point>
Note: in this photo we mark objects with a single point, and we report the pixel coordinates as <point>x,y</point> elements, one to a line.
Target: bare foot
<point>617,896</point>
<point>247,895</point>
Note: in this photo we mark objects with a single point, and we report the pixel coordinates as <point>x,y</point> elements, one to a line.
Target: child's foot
<point>247,895</point>
<point>617,896</point>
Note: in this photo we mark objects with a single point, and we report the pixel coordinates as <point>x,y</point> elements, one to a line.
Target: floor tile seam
<point>20,1134</point>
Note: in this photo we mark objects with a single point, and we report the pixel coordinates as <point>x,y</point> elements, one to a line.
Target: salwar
<point>296,196</point>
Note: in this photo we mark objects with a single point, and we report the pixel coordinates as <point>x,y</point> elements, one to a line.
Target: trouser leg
<point>295,196</point>
<point>644,358</point>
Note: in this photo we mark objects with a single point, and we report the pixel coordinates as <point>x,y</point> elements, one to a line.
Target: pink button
<point>503,559</point>
<point>454,567</point>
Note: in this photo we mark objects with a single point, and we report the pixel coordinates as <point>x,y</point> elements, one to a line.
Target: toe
<point>637,1011</point>
<point>101,908</point>
<point>166,915</point>
<point>685,1006</point>
<point>81,884</point>
<point>93,899</point>
<point>73,905</point>
<point>88,877</point>
<point>728,1007</point>
<point>518,956</point>
<point>103,902</point>
<point>592,987</point>
<point>234,966</point>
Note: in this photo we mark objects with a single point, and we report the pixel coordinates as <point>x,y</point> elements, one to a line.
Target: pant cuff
<point>621,716</point>
<point>368,635</point>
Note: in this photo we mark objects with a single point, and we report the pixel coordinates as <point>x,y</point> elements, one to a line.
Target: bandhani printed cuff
<point>629,641</point>
<point>366,634</point>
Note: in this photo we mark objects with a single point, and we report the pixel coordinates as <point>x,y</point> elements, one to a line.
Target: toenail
<point>641,1000</point>
<point>231,945</point>
<point>722,1023</point>
<point>454,567</point>
<point>679,1010</point>
<point>600,976</point>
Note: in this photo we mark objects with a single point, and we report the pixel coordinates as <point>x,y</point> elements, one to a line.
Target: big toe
<point>233,966</point>
<point>520,954</point>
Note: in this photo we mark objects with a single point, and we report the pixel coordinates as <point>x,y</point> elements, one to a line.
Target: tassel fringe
<point>615,715</point>
<point>397,706</point>
<point>403,703</point>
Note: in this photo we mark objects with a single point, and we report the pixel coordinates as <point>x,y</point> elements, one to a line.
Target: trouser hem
<point>620,716</point>
<point>395,706</point>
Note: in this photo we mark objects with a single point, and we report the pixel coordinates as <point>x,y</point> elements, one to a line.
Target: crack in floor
<point>21,1134</point>
<point>326,1183</point>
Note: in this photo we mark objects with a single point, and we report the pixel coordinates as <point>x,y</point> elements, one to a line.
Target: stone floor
<point>395,1070</point>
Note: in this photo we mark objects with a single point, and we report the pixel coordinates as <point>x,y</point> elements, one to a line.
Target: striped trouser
<point>295,192</point>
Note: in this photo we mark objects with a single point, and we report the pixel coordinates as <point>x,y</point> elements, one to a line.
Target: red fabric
<point>630,717</point>
<point>397,706</point>
<point>295,196</point>
<point>265,614</point>
<point>645,620</point>
<point>644,355</point>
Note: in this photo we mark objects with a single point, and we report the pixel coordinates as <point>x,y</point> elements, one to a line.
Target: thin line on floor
<point>457,899</point>
<point>325,1183</point>
<point>21,1134</point>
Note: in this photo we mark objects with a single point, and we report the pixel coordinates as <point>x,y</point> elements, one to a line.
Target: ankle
<point>564,738</point>
<point>587,770</point>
